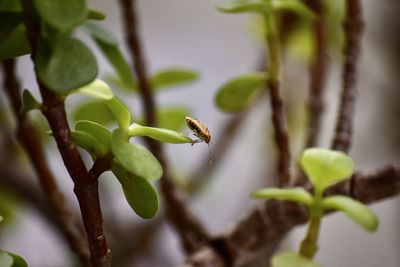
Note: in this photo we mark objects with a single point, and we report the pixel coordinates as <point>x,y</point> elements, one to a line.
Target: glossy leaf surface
<point>65,64</point>
<point>96,111</point>
<point>63,15</point>
<point>102,134</point>
<point>135,158</point>
<point>325,167</point>
<point>237,93</point>
<point>172,77</point>
<point>354,209</point>
<point>97,89</point>
<point>163,135</point>
<point>139,193</point>
<point>120,112</point>
<point>29,102</point>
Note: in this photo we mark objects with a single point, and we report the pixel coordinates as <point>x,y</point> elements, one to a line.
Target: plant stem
<point>192,232</point>
<point>309,246</point>
<point>85,183</point>
<point>278,115</point>
<point>30,140</point>
<point>353,27</point>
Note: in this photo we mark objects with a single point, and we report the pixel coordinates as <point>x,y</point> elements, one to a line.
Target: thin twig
<point>256,236</point>
<point>353,27</point>
<point>192,233</point>
<point>85,184</point>
<point>318,73</point>
<point>278,116</point>
<point>29,138</point>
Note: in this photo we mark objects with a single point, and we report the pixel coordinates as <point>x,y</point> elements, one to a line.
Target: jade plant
<point>323,168</point>
<point>133,165</point>
<point>240,92</point>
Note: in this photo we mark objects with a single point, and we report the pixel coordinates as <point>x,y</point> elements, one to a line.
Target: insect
<point>201,131</point>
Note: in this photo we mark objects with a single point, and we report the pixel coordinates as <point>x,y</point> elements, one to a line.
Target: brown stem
<point>353,27</point>
<point>281,132</point>
<point>29,138</point>
<point>257,236</point>
<point>85,184</point>
<point>318,72</point>
<point>192,233</point>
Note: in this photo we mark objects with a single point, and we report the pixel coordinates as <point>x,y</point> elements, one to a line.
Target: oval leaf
<point>95,15</point>
<point>139,193</point>
<point>100,33</point>
<point>95,111</point>
<point>244,6</point>
<point>134,158</point>
<point>97,89</point>
<point>5,259</point>
<point>29,102</point>
<point>1,218</point>
<point>291,194</point>
<point>295,6</point>
<point>163,135</point>
<point>237,93</point>
<point>15,44</point>
<point>120,112</point>
<point>172,77</point>
<point>66,64</point>
<point>325,167</point>
<point>101,133</point>
<point>356,210</point>
<point>88,142</point>
<point>62,14</point>
<point>291,259</point>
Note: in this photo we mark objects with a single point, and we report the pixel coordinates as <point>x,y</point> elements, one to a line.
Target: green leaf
<point>88,142</point>
<point>356,210</point>
<point>97,89</point>
<point>134,158</point>
<point>5,259</point>
<point>18,261</point>
<point>238,6</point>
<point>291,194</point>
<point>163,135</point>
<point>291,259</point>
<point>101,133</point>
<point>99,33</point>
<point>1,218</point>
<point>108,44</point>
<point>139,193</point>
<point>119,63</point>
<point>117,82</point>
<point>8,23</point>
<point>172,118</point>
<point>325,167</point>
<point>15,44</point>
<point>96,111</point>
<point>237,93</point>
<point>120,112</point>
<point>63,15</point>
<point>172,77</point>
<point>95,15</point>
<point>10,6</point>
<point>66,64</point>
<point>295,6</point>
<point>29,102</point>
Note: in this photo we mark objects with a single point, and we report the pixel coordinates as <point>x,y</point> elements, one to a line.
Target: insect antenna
<point>210,153</point>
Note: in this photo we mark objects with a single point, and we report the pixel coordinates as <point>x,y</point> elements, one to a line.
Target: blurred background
<point>219,46</point>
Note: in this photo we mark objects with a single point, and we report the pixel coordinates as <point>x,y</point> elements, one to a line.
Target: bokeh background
<point>192,33</point>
